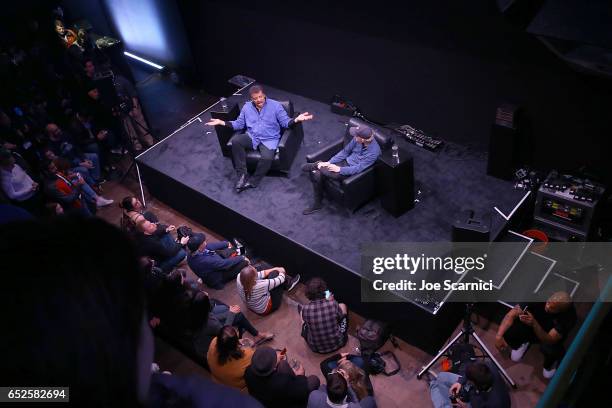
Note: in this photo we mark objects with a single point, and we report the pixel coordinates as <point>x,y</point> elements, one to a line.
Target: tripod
<point>127,142</point>
<point>464,336</point>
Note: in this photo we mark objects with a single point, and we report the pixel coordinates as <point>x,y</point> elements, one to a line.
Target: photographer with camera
<point>481,387</point>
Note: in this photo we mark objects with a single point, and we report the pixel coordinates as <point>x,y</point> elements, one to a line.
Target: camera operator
<point>481,387</point>
<point>127,108</point>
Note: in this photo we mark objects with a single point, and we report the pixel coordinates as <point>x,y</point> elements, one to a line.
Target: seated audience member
<point>546,323</point>
<point>191,319</point>
<point>106,364</point>
<point>351,368</point>
<point>337,393</point>
<point>48,154</point>
<point>155,241</point>
<point>213,269</point>
<point>263,291</point>
<point>88,192</point>
<point>60,189</point>
<point>133,212</point>
<point>91,138</point>
<point>209,316</point>
<point>227,358</point>
<point>18,186</point>
<point>274,383</point>
<point>325,326</point>
<point>62,145</point>
<point>481,387</point>
<point>359,154</point>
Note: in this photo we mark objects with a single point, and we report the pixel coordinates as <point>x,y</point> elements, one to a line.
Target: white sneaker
<point>518,354</point>
<point>103,202</point>
<point>548,374</point>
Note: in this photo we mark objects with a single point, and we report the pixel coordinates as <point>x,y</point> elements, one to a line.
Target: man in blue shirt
<point>211,267</point>
<point>262,119</point>
<point>359,154</point>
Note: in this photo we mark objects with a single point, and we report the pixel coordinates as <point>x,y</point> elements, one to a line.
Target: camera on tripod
<point>109,97</point>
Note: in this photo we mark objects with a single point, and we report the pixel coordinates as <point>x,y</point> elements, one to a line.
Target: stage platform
<point>188,172</point>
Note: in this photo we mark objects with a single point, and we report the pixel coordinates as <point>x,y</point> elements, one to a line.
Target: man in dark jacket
<point>212,268</point>
<point>274,383</point>
<point>155,241</point>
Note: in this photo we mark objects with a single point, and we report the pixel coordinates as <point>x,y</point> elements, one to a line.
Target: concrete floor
<point>401,390</point>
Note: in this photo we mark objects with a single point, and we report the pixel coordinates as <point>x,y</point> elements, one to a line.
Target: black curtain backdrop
<point>442,65</point>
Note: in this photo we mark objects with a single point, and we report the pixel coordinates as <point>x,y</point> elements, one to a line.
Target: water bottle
<point>224,104</point>
<point>395,152</point>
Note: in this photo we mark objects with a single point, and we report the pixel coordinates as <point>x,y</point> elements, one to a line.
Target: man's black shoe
<point>245,186</point>
<point>291,281</point>
<point>241,182</point>
<point>312,209</point>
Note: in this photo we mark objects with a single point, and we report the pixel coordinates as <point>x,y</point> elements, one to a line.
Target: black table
<point>395,180</point>
<point>224,134</point>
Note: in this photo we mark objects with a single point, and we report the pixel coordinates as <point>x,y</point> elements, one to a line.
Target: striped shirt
<point>260,294</point>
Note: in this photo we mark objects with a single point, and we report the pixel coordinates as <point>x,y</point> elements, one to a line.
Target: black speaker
<point>468,228</point>
<point>504,142</point>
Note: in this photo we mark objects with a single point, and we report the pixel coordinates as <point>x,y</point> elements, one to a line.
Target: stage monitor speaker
<point>468,228</point>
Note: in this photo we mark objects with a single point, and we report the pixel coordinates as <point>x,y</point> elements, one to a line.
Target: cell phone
<point>327,294</point>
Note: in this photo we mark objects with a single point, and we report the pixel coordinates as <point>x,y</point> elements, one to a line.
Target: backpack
<point>376,363</point>
<point>372,335</point>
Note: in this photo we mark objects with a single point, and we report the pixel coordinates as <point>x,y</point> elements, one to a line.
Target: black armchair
<point>287,149</point>
<point>356,190</point>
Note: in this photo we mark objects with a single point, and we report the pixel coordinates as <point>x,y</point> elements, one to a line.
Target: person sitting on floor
<point>228,359</point>
<point>275,384</point>
<point>155,241</point>
<point>211,267</point>
<point>263,291</point>
<point>337,393</point>
<point>546,323</point>
<point>191,319</point>
<point>325,321</point>
<point>359,154</point>
<point>133,212</point>
<point>481,387</point>
<point>208,316</point>
<point>351,367</point>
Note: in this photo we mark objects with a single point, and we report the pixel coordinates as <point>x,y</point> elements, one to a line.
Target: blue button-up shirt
<point>263,126</point>
<point>358,156</point>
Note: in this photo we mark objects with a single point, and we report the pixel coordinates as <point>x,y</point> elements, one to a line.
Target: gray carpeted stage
<point>451,180</point>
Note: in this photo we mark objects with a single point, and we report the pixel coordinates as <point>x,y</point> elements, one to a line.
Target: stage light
<point>136,57</point>
<point>143,27</point>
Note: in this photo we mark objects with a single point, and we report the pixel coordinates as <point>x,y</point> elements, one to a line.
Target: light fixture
<point>136,57</point>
